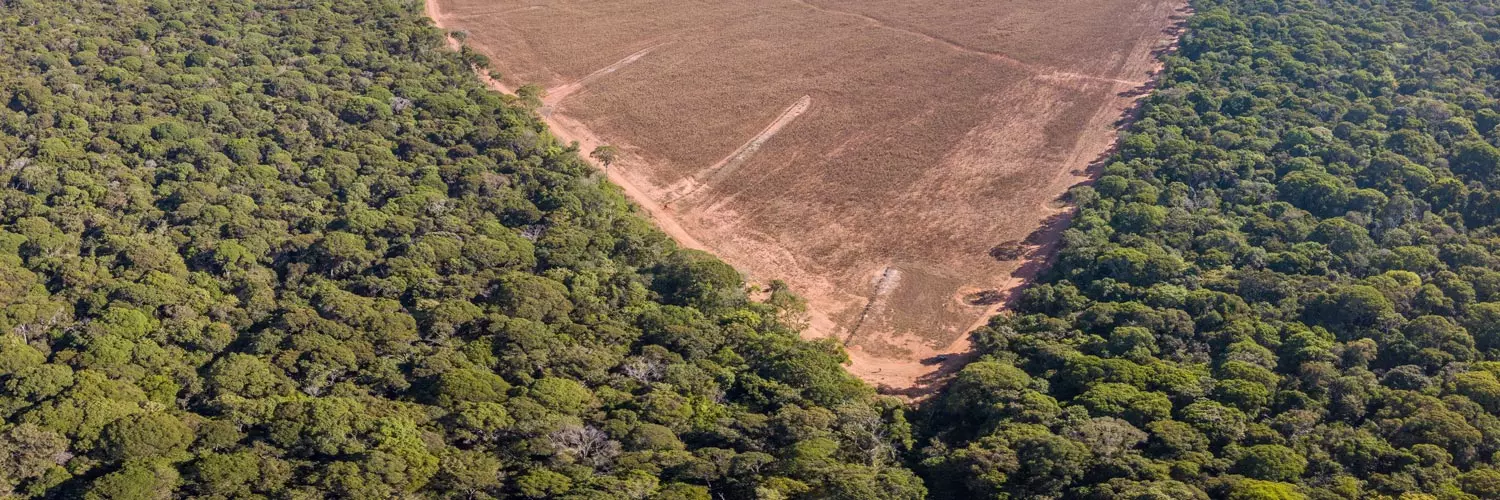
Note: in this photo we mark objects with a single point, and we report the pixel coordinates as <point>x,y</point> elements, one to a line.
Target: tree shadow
<point>927,385</point>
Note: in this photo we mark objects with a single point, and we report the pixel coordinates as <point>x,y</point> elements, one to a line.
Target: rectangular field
<point>870,153</point>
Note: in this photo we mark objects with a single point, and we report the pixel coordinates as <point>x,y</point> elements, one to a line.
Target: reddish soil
<point>869,153</point>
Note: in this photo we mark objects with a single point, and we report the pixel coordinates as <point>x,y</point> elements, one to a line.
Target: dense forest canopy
<point>1285,284</point>
<point>294,249</point>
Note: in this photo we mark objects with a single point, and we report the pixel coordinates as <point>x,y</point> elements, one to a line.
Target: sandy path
<point>569,130</point>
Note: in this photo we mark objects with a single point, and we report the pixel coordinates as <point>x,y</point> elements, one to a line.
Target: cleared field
<point>870,153</point>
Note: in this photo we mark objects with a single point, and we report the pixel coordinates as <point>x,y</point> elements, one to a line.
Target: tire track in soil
<point>557,94</point>
<point>716,172</point>
<point>470,15</point>
<point>1066,76</point>
<point>881,23</point>
<point>961,47</point>
<point>886,283</point>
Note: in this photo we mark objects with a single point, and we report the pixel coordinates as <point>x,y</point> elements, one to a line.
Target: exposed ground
<point>877,155</point>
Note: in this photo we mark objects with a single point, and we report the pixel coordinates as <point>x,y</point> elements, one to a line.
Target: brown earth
<point>869,153</point>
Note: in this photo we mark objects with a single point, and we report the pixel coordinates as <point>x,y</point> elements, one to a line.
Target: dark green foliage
<point>1283,285</point>
<point>697,279</point>
<point>294,249</point>
<point>145,436</point>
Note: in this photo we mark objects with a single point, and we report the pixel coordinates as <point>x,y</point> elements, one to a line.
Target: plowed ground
<point>871,153</point>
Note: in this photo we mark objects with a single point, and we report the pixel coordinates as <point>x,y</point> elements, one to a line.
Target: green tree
<point>145,436</point>
<point>605,154</point>
<point>1272,463</point>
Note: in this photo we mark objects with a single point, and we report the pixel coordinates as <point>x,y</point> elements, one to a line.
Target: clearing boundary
<point>935,138</point>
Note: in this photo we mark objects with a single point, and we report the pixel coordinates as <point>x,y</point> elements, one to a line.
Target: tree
<point>605,154</point>
<point>1126,402</point>
<point>693,278</point>
<point>982,388</point>
<point>470,471</point>
<point>144,436</point>
<point>135,480</point>
<point>1272,463</point>
<point>543,483</point>
<point>562,395</point>
<point>1476,159</point>
<point>228,474</point>
<point>532,297</point>
<point>1252,489</point>
<point>29,452</point>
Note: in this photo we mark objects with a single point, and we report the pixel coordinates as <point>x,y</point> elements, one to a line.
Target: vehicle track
<point>718,171</point>
<point>470,15</point>
<point>1040,71</point>
<point>887,282</point>
<point>557,94</point>
<point>875,21</point>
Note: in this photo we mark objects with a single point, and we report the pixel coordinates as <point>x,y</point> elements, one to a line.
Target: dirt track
<point>934,138</point>
<point>556,95</point>
<point>728,165</point>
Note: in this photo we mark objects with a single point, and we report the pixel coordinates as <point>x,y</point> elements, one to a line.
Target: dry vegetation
<point>928,135</point>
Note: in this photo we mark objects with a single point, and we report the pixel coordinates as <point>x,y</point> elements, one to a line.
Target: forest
<point>295,249</point>
<point>1284,285</point>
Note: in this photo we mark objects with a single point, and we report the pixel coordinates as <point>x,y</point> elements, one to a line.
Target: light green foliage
<point>542,483</point>
<point>135,480</point>
<point>1251,489</point>
<point>29,453</point>
<point>468,385</point>
<point>1271,462</point>
<point>562,395</point>
<point>145,436</point>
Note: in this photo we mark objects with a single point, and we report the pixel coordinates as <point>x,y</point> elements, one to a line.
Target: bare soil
<point>870,153</point>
